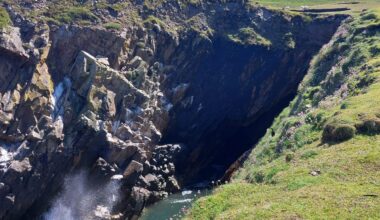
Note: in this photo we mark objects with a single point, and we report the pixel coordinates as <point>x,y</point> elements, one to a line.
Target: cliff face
<point>231,92</point>
<point>143,106</point>
<point>64,109</point>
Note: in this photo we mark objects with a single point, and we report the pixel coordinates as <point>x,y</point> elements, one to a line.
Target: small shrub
<point>248,36</point>
<point>344,105</point>
<point>309,154</point>
<point>259,177</point>
<point>52,21</point>
<point>375,50</point>
<point>154,20</point>
<point>289,41</point>
<point>289,157</point>
<point>366,80</point>
<point>316,119</point>
<point>112,26</point>
<point>140,44</point>
<point>118,7</point>
<point>369,16</point>
<point>338,132</point>
<point>305,135</point>
<point>369,126</point>
<point>272,172</point>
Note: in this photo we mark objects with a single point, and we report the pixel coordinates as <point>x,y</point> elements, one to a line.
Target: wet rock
<point>133,167</point>
<point>16,172</point>
<point>109,103</point>
<point>34,136</point>
<point>102,171</point>
<point>103,60</point>
<point>140,196</point>
<point>135,62</point>
<point>20,166</point>
<point>102,212</point>
<point>4,189</point>
<point>124,132</point>
<point>179,92</point>
<point>171,167</point>
<point>153,182</point>
<point>119,151</point>
<point>172,185</point>
<point>9,200</point>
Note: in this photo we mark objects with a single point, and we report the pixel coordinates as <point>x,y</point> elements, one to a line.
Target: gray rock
<point>133,167</point>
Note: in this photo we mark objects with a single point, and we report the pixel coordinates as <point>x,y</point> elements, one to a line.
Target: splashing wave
<point>80,200</point>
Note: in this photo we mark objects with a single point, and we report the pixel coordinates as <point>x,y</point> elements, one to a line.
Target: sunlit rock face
<point>92,117</point>
<point>142,111</point>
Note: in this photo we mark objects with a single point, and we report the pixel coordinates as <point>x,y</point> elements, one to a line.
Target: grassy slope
<point>349,177</point>
<point>295,174</point>
<point>318,4</point>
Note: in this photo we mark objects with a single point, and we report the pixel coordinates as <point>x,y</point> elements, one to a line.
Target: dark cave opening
<point>235,92</point>
<point>232,142</point>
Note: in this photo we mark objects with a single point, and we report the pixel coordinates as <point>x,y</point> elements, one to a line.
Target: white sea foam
<point>4,155</point>
<point>182,201</point>
<point>186,192</point>
<point>80,201</point>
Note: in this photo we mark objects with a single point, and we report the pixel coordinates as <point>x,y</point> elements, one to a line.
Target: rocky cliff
<point>161,97</point>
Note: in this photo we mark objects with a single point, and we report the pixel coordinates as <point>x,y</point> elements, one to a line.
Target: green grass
<point>309,154</point>
<point>299,173</point>
<point>154,20</point>
<point>347,188</point>
<point>248,36</point>
<point>112,26</point>
<point>295,3</point>
<point>75,14</point>
<point>4,18</point>
<point>318,4</point>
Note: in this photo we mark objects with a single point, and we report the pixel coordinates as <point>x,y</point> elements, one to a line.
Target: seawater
<point>174,206</point>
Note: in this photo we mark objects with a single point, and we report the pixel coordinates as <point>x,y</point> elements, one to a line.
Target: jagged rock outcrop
<point>93,117</point>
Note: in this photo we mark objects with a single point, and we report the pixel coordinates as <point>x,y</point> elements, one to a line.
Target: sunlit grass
<point>355,8</point>
<point>4,18</point>
<point>348,187</point>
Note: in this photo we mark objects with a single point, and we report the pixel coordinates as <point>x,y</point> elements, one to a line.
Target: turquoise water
<point>173,207</point>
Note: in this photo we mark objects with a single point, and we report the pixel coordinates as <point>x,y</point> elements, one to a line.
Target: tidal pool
<point>174,206</point>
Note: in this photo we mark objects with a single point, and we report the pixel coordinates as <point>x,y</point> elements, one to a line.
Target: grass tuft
<point>4,18</point>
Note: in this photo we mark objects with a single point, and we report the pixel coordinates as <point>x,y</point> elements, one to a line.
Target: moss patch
<point>75,14</point>
<point>4,18</point>
<point>112,26</point>
<point>248,36</point>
